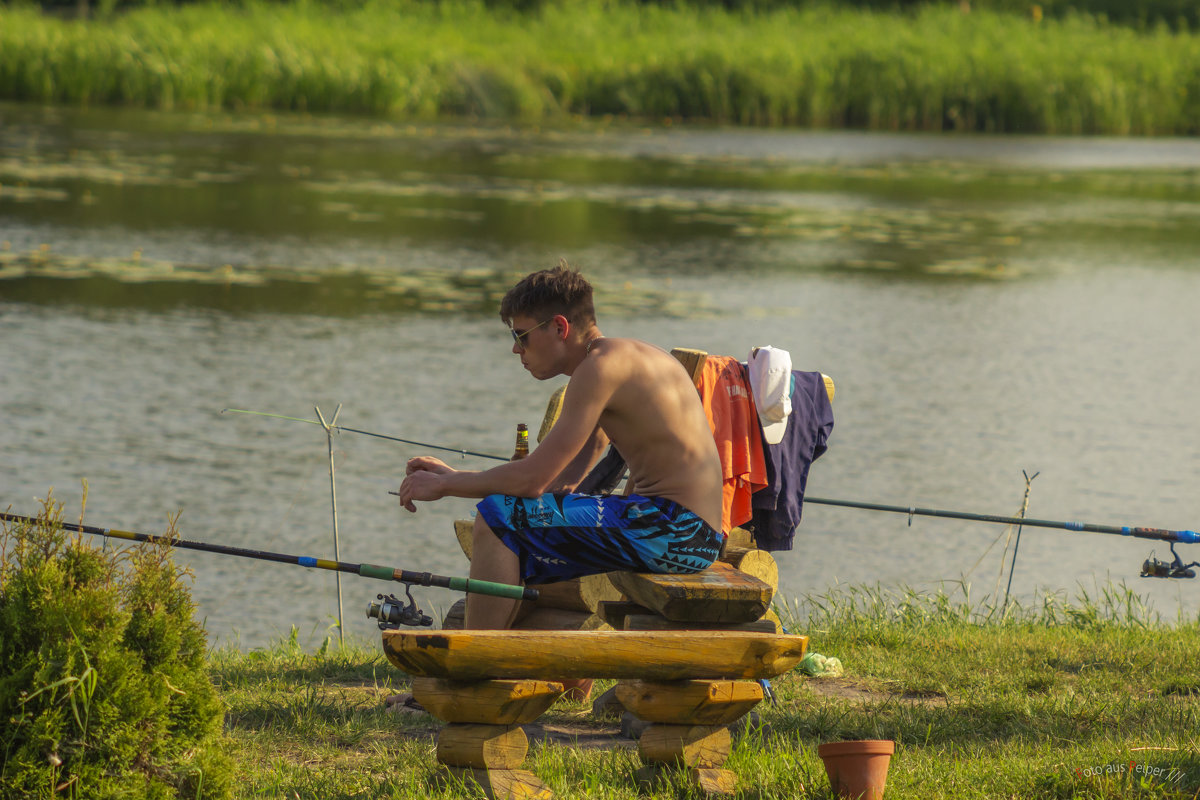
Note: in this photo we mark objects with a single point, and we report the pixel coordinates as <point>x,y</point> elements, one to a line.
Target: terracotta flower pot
<point>857,770</point>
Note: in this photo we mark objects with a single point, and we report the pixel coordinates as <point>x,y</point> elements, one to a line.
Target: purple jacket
<point>778,507</point>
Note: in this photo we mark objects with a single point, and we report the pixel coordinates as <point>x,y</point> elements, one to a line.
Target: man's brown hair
<point>542,294</point>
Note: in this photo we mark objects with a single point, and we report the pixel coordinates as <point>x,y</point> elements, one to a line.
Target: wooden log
<point>713,782</point>
<point>773,618</point>
<point>710,782</point>
<point>493,702</point>
<point>553,409</point>
<point>464,531</point>
<point>497,784</point>
<point>653,622</point>
<point>534,618</point>
<point>632,727</point>
<point>690,702</point>
<point>758,563</point>
<point>692,360</point>
<point>717,594</point>
<point>456,616</point>
<point>482,746</point>
<point>739,537</point>
<point>559,619</point>
<point>575,689</point>
<point>578,594</point>
<point>703,746</point>
<point>552,655</point>
<point>614,612</point>
<point>607,705</point>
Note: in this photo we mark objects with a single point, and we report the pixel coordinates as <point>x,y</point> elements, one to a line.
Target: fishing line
<point>463,452</point>
<point>987,550</point>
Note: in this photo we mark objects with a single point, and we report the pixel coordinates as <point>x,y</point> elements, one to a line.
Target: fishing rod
<point>458,450</point>
<point>387,609</point>
<point>1152,568</point>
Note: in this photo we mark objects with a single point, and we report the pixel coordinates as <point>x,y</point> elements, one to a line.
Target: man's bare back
<point>656,422</point>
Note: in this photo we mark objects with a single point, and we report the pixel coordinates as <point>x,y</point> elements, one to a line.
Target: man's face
<point>533,341</point>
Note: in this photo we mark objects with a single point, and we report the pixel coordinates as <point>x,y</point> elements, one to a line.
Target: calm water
<point>987,306</point>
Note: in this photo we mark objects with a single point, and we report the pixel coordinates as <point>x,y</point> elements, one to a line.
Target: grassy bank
<point>937,69</point>
<point>1088,699</point>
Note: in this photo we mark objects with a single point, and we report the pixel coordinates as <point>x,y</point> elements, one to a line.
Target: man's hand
<point>423,481</point>
<point>427,464</point>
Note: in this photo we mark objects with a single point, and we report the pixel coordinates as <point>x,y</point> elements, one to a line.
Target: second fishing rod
<point>1176,568</point>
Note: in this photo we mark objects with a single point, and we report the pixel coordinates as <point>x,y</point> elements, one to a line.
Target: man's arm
<point>579,467</point>
<point>571,437</point>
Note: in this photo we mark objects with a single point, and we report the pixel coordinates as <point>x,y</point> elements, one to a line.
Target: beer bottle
<point>522,449</point>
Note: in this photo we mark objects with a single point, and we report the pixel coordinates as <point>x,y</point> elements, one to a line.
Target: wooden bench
<point>688,686</point>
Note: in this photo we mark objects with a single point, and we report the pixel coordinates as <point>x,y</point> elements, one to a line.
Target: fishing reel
<point>1153,568</point>
<point>393,612</point>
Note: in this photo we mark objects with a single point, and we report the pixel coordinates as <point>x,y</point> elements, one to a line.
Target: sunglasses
<point>519,336</point>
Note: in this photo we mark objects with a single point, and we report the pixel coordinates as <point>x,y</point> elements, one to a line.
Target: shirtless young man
<point>531,528</point>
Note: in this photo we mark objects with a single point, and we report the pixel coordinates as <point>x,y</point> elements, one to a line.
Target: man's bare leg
<point>491,560</point>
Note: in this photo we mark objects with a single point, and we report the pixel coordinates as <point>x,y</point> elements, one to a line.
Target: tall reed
<point>936,69</point>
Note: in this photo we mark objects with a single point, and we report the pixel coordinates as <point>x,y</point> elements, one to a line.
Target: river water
<point>988,307</point>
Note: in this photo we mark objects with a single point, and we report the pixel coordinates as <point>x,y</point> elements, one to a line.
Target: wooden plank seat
<point>719,594</point>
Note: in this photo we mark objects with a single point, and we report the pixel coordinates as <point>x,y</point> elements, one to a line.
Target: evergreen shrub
<point>104,689</point>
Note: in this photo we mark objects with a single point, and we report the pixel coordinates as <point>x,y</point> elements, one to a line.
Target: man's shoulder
<point>635,363</point>
<point>625,358</point>
<point>627,347</point>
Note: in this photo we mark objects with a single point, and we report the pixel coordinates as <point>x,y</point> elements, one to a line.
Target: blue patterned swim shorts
<point>563,536</point>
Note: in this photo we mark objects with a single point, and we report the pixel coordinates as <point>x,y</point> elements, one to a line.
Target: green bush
<point>104,690</point>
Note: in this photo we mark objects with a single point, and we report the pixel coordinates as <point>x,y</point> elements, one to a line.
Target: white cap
<point>771,385</point>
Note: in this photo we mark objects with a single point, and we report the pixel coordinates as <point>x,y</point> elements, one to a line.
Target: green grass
<point>1048,701</point>
<point>936,69</point>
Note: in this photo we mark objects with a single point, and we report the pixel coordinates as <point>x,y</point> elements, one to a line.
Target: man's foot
<point>578,689</point>
<point>404,704</point>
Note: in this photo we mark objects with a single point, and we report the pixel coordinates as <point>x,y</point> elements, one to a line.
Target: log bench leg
<point>700,749</point>
<point>710,782</point>
<point>482,741</point>
<point>497,784</point>
<point>689,728</point>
